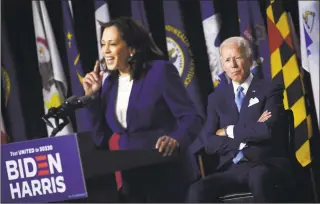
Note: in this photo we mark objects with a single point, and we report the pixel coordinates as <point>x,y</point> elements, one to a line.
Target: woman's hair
<point>138,38</point>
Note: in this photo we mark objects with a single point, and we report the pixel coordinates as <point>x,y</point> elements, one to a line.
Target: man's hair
<point>242,43</point>
<point>138,38</point>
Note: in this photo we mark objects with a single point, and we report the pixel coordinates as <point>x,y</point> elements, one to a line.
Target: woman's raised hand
<point>92,82</point>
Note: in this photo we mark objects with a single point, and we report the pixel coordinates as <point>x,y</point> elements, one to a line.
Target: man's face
<point>235,63</point>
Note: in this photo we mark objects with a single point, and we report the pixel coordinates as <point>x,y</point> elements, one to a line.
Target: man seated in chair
<point>244,129</point>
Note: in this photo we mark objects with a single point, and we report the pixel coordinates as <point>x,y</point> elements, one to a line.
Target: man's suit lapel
<point>251,93</point>
<point>230,100</point>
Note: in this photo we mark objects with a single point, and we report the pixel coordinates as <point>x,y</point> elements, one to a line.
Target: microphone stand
<point>60,113</point>
<point>60,126</point>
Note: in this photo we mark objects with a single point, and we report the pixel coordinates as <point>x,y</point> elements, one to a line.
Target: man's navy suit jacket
<point>264,139</point>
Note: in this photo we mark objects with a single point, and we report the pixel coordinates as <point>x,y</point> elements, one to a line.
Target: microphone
<point>82,101</point>
<point>64,110</point>
<point>68,107</point>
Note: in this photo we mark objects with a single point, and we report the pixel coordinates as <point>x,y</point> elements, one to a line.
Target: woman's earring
<point>130,57</point>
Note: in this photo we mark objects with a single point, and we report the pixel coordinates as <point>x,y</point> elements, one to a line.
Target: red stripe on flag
<point>289,41</point>
<point>114,145</point>
<point>275,38</point>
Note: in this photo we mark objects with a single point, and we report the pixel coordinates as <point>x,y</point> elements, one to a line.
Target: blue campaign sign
<point>42,170</point>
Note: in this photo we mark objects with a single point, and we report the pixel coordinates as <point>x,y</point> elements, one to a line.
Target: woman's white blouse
<point>124,90</point>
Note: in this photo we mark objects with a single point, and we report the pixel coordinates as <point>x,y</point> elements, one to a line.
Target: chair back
<point>242,195</point>
<point>291,146</point>
<point>288,132</point>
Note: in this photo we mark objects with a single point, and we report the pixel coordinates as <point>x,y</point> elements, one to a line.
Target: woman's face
<point>114,49</point>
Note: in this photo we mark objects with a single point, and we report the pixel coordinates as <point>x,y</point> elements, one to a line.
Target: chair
<point>207,166</point>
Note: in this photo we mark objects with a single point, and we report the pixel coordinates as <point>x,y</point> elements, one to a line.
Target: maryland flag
<point>285,70</point>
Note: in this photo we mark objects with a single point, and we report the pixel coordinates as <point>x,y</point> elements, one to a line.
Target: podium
<point>112,161</point>
<point>86,172</point>
<point>99,166</point>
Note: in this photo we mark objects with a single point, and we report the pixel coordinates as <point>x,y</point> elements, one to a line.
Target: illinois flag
<point>54,85</point>
<point>309,45</point>
<point>285,70</point>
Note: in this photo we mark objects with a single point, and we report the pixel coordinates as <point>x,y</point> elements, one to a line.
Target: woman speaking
<point>144,100</point>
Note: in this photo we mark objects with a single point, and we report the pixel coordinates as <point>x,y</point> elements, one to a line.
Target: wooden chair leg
<point>201,166</point>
